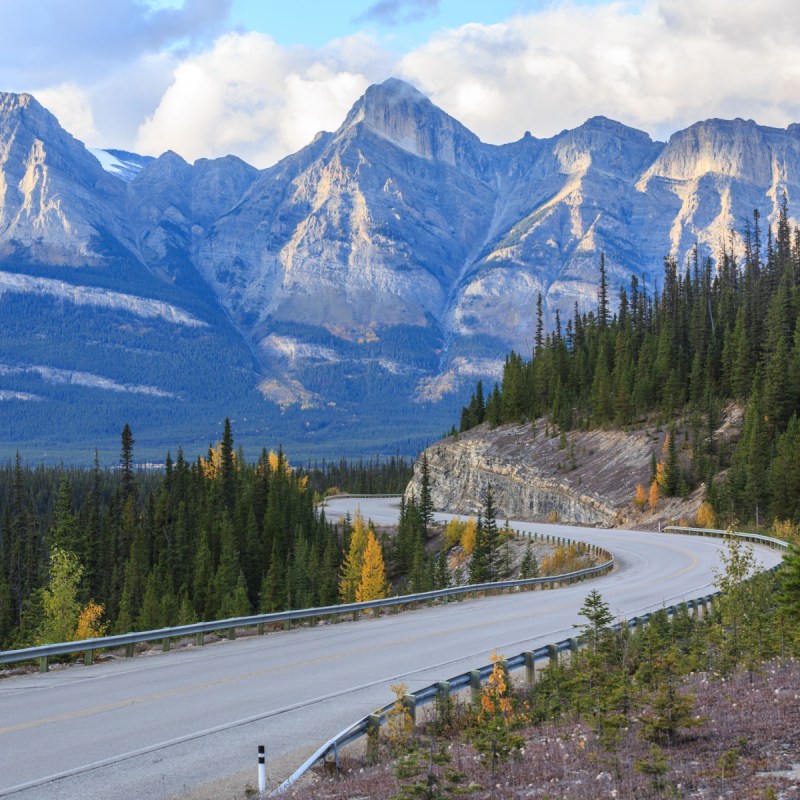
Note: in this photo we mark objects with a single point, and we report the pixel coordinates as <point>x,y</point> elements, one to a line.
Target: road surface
<point>157,726</point>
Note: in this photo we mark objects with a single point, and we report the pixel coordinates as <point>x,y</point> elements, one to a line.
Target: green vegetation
<point>625,707</point>
<point>716,335</point>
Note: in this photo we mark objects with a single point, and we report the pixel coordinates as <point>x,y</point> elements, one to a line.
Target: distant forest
<point>716,334</point>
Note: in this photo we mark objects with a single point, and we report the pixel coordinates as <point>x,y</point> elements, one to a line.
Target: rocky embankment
<point>537,474</point>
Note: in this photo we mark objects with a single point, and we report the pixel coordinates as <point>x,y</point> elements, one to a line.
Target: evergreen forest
<point>718,337</point>
<point>88,552</point>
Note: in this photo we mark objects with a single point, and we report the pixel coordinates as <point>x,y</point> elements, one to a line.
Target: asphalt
<point>188,723</point>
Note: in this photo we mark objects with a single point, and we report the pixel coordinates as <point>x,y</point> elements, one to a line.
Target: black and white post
<point>262,772</point>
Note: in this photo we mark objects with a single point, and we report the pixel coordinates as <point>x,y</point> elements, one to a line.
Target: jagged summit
<point>398,248</point>
<point>398,112</point>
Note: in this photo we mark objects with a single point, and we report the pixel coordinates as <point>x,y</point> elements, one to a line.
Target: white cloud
<point>655,65</point>
<point>251,97</point>
<point>72,107</point>
<point>160,81</point>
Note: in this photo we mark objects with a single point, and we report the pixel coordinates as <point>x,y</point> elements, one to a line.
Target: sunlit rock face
<point>399,244</point>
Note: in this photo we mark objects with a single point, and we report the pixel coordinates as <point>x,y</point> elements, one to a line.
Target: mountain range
<point>343,300</point>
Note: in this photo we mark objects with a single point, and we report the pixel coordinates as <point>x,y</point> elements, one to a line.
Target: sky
<point>259,78</point>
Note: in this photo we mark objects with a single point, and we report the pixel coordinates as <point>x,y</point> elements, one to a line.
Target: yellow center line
<point>148,698</point>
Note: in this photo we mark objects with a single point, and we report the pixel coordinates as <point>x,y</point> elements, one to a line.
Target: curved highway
<point>162,726</point>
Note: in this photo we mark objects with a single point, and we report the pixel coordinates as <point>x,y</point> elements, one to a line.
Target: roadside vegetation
<point>688,706</point>
<point>85,553</point>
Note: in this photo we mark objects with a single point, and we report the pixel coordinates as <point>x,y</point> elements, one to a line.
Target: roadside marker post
<point>262,773</point>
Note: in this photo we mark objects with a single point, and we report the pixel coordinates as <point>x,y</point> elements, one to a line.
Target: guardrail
<point>757,538</point>
<point>43,653</point>
<point>528,659</point>
<point>473,680</point>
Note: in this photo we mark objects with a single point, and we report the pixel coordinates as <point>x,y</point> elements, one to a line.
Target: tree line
<point>716,334</point>
<point>110,551</point>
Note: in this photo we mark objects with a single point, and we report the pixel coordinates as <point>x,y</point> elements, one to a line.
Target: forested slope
<point>715,333</point>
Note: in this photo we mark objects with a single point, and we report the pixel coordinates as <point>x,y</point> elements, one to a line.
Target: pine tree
<point>228,468</point>
<point>425,501</point>
<point>128,488</point>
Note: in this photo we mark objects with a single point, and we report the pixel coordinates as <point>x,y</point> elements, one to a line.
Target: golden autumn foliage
<point>212,464</point>
<point>654,496</point>
<point>706,518</point>
<point>565,558</point>
<point>496,698</point>
<point>351,569</point>
<point>468,536</point>
<point>640,497</point>
<point>453,532</point>
<point>372,585</point>
<point>786,530</point>
<point>661,473</point>
<point>90,625</point>
<point>399,722</point>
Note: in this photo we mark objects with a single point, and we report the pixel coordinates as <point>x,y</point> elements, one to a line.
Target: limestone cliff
<point>587,477</point>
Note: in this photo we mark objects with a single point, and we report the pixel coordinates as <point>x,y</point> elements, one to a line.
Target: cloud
<point>655,65</point>
<point>249,96</point>
<point>165,78</point>
<point>81,40</point>
<point>397,12</point>
<point>72,107</point>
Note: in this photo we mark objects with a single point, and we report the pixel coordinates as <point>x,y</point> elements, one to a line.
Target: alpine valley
<point>344,300</point>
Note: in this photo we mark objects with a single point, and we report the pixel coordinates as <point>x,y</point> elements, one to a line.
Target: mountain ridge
<point>399,250</point>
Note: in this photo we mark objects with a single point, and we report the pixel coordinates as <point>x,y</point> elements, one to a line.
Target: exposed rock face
<point>586,480</point>
<point>398,251</point>
<point>56,201</point>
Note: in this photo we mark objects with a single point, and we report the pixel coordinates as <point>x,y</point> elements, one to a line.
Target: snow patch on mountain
<point>78,378</point>
<point>12,282</point>
<point>122,164</point>
<point>6,394</point>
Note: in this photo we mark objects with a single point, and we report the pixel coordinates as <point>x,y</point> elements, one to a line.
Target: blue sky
<point>405,25</point>
<point>258,78</point>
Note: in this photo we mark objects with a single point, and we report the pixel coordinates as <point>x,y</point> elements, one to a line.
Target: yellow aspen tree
<point>453,532</point>
<point>60,598</point>
<point>468,536</point>
<point>89,622</point>
<point>351,569</point>
<point>655,495</point>
<point>706,518</point>
<point>640,498</point>
<point>373,573</point>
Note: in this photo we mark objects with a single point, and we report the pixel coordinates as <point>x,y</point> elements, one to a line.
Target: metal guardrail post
<point>410,705</point>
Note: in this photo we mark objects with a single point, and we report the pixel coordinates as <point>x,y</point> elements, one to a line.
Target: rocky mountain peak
<point>396,111</point>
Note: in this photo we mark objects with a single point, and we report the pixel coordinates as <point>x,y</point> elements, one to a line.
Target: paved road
<point>155,726</point>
